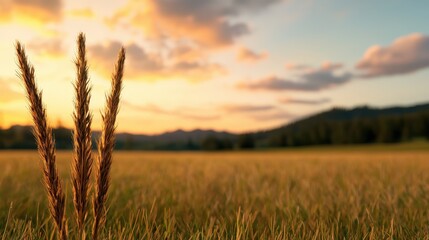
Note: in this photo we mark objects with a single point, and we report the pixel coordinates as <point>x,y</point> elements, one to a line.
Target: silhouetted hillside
<point>176,140</point>
<point>336,126</point>
<point>178,135</point>
<point>349,126</point>
<point>21,137</point>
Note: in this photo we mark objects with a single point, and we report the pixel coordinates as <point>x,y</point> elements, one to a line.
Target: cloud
<point>151,66</point>
<point>185,52</point>
<point>51,48</point>
<point>8,94</point>
<point>82,13</point>
<point>138,58</point>
<point>182,35</point>
<point>275,116</point>
<point>303,67</point>
<point>150,108</point>
<point>31,10</point>
<point>246,108</point>
<point>305,101</point>
<point>247,55</point>
<point>207,23</point>
<point>311,80</point>
<point>213,14</point>
<point>406,54</point>
<point>257,112</point>
<point>331,66</point>
<point>298,67</point>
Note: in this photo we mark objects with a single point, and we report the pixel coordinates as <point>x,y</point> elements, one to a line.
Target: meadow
<point>318,193</point>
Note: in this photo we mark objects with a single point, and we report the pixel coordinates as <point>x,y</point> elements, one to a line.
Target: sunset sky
<point>235,65</point>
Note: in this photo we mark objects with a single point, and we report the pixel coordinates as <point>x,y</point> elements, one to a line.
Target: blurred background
<point>227,74</point>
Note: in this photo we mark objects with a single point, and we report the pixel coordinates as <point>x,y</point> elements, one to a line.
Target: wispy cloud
<point>296,67</point>
<point>305,101</point>
<point>330,66</point>
<point>231,108</point>
<point>143,65</point>
<point>281,115</point>
<point>47,48</point>
<point>31,10</point>
<point>150,108</point>
<point>406,54</point>
<point>258,112</point>
<point>311,80</point>
<point>247,55</point>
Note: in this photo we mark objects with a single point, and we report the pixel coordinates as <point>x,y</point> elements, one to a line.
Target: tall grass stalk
<point>82,159</point>
<point>105,146</point>
<point>45,143</point>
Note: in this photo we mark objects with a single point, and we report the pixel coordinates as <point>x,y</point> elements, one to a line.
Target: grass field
<point>320,193</point>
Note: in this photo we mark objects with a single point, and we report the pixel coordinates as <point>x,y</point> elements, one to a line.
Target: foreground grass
<point>318,194</point>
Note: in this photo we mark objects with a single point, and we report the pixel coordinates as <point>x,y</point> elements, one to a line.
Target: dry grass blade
<point>105,146</point>
<point>45,143</point>
<point>82,159</point>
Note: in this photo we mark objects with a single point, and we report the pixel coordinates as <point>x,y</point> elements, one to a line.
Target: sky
<point>233,65</point>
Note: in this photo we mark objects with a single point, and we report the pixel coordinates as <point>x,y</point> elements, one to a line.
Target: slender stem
<point>45,143</point>
<point>82,159</point>
<point>105,146</point>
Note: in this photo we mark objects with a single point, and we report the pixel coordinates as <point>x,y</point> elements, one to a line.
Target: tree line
<point>312,131</point>
<point>21,137</point>
<point>382,129</point>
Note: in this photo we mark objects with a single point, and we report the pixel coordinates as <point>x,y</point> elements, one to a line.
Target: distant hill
<point>366,112</point>
<point>21,137</point>
<point>361,112</point>
<point>175,140</point>
<point>335,126</point>
<point>342,126</point>
<point>196,135</point>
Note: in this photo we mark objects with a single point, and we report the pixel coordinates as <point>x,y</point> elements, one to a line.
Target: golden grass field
<point>294,194</point>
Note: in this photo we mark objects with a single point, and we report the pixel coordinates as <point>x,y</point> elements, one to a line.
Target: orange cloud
<point>31,12</point>
<point>143,65</point>
<point>186,53</point>
<point>82,13</point>
<point>185,33</point>
<point>301,101</point>
<point>150,108</point>
<point>51,49</point>
<point>246,108</point>
<point>206,23</point>
<point>247,55</point>
<point>279,115</point>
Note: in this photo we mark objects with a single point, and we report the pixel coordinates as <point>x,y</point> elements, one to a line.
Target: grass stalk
<point>82,159</point>
<point>45,143</point>
<point>105,146</point>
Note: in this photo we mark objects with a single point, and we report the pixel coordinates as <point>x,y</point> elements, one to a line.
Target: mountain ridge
<point>360,124</point>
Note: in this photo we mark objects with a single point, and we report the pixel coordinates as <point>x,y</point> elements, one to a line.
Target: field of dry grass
<point>318,194</point>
